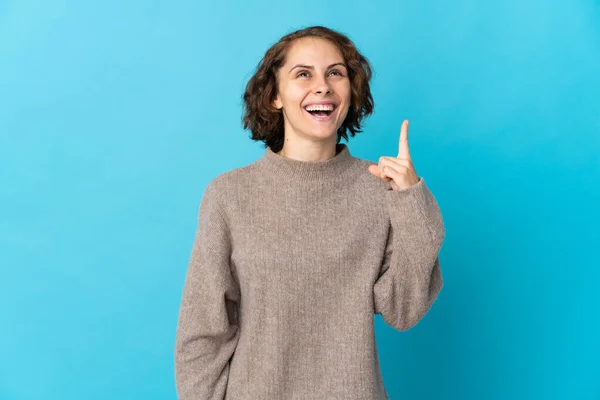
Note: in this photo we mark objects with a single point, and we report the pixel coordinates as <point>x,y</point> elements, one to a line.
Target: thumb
<point>374,169</point>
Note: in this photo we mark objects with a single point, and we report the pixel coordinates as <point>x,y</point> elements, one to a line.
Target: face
<point>314,76</point>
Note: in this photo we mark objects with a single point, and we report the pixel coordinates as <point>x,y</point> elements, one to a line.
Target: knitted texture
<point>290,262</point>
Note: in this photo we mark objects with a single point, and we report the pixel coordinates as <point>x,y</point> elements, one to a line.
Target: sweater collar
<point>308,171</point>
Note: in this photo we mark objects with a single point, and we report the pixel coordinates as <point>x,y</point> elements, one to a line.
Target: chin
<point>323,133</point>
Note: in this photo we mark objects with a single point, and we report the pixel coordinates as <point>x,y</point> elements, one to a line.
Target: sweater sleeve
<point>410,277</point>
<point>207,329</point>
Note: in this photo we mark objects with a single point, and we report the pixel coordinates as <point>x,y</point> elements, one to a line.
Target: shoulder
<point>228,183</point>
<point>362,177</point>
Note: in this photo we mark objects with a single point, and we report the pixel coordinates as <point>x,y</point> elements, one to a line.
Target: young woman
<point>296,252</point>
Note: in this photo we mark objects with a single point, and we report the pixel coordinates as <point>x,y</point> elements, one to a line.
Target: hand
<point>399,171</point>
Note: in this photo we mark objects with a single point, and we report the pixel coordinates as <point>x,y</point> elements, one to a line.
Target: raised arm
<point>410,277</point>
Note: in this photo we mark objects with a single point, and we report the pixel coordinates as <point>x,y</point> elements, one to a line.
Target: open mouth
<point>321,112</point>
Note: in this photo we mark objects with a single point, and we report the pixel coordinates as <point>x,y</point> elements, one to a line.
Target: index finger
<point>403,151</point>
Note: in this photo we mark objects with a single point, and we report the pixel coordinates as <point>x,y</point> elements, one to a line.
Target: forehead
<point>307,50</point>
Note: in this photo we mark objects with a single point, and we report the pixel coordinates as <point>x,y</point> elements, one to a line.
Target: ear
<point>277,103</point>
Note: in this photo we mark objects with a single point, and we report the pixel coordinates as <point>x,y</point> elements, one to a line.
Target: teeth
<point>320,107</point>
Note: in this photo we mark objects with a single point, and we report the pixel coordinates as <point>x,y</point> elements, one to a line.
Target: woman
<point>296,252</point>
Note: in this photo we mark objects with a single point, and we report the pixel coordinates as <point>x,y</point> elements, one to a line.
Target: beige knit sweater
<point>290,262</point>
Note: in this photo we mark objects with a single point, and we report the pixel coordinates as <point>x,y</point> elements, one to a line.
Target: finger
<point>388,169</point>
<point>398,164</point>
<point>403,151</point>
<point>396,161</point>
<point>375,170</point>
<point>393,174</point>
<point>397,178</point>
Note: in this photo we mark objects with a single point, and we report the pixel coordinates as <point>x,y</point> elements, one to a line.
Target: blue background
<point>114,116</point>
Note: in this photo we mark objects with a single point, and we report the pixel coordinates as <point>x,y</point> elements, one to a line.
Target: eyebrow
<point>311,67</point>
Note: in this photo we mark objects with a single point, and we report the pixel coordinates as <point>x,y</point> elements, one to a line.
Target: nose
<point>322,86</point>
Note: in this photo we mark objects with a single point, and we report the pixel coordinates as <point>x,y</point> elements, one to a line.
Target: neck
<point>304,147</point>
<point>315,154</point>
<point>307,171</point>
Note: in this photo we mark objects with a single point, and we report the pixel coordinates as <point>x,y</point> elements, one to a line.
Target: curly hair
<point>266,122</point>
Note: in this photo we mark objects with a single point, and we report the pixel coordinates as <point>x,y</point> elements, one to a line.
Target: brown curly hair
<point>266,122</point>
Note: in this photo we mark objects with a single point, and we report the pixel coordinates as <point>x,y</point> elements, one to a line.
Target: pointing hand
<point>399,171</point>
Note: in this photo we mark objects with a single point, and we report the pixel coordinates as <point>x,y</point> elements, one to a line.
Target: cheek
<point>295,94</point>
<point>344,92</point>
<point>344,112</point>
<point>347,92</point>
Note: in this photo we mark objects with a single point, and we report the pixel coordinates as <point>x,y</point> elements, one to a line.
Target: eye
<point>305,73</point>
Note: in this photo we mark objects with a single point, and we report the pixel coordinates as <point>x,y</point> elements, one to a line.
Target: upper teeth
<point>320,107</point>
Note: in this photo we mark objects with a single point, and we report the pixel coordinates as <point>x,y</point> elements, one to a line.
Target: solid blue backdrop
<point>114,116</point>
